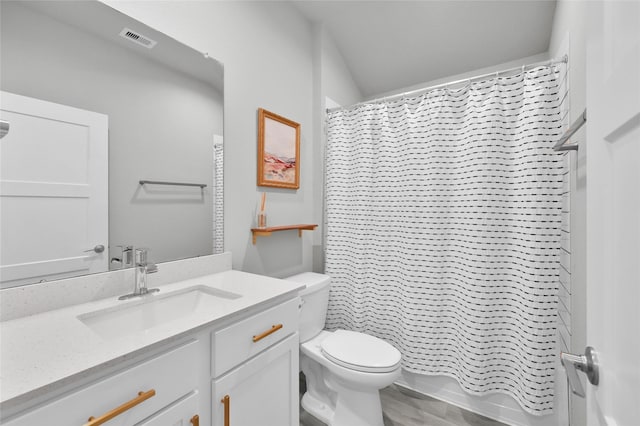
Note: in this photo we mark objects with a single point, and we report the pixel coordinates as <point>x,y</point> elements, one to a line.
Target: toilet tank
<point>315,297</point>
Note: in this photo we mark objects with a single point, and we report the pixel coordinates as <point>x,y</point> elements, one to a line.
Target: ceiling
<point>391,45</point>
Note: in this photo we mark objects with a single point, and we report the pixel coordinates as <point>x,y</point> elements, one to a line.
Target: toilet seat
<point>360,352</point>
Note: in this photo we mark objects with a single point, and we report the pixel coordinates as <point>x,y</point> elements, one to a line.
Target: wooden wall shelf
<point>265,232</point>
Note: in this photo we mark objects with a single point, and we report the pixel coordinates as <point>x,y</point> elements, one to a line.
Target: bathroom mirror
<point>153,143</point>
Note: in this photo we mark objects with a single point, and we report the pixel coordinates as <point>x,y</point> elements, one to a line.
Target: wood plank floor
<point>403,407</point>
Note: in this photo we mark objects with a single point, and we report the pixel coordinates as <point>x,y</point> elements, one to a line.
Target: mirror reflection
<point>96,103</point>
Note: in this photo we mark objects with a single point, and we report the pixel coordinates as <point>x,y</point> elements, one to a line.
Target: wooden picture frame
<point>278,151</point>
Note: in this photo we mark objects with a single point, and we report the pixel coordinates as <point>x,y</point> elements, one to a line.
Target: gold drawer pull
<point>226,401</point>
<point>195,420</point>
<point>142,396</point>
<point>261,336</point>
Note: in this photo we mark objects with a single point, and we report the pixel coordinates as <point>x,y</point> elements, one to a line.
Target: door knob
<point>586,363</point>
<point>98,249</point>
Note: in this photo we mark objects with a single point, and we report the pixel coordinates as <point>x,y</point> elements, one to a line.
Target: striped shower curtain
<point>443,217</point>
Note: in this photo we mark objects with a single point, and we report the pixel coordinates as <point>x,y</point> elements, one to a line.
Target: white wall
<point>333,80</point>
<point>161,124</point>
<point>569,36</point>
<point>337,81</point>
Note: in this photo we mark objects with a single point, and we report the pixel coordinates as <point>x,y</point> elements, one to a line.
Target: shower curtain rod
<point>564,59</point>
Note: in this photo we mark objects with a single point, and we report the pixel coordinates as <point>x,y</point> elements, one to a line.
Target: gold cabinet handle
<point>261,336</point>
<point>142,396</point>
<point>226,401</point>
<point>195,420</point>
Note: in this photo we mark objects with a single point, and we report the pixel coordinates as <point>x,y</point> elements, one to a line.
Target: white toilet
<point>344,369</point>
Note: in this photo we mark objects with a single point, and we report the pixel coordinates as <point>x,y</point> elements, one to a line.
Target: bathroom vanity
<point>220,349</point>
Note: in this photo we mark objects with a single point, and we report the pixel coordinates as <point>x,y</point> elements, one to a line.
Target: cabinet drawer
<point>234,344</point>
<point>171,376</point>
<point>182,413</point>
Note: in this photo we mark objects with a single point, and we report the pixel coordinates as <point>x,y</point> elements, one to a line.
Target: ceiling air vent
<point>138,38</point>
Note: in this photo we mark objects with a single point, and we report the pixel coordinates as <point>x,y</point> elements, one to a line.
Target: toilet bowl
<point>344,369</point>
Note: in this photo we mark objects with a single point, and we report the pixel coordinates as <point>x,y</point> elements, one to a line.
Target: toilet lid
<point>360,352</point>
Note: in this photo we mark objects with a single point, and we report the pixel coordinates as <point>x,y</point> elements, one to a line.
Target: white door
<point>53,191</point>
<point>613,210</point>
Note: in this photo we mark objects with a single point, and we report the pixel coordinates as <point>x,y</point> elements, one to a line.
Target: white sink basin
<point>154,310</point>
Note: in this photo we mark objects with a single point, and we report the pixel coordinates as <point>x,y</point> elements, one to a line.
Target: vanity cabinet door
<point>262,391</point>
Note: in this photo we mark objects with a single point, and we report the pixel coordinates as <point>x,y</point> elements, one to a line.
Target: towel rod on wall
<point>560,145</point>
<point>156,182</point>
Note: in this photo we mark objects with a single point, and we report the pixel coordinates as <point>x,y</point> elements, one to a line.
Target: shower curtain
<point>443,217</point>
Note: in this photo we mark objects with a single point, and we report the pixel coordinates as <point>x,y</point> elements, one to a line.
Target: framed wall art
<point>278,151</point>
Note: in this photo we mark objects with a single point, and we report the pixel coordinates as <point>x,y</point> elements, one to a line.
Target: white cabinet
<point>255,369</point>
<point>262,391</point>
<point>253,361</point>
<point>132,395</point>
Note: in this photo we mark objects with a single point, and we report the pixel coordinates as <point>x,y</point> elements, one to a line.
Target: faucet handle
<point>141,256</point>
<point>124,259</point>
<point>127,255</point>
<point>142,259</point>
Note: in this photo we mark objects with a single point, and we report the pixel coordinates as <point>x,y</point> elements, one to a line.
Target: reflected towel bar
<point>560,145</point>
<point>156,182</point>
<point>4,128</point>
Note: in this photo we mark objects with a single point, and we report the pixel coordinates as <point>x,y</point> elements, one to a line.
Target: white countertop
<point>39,353</point>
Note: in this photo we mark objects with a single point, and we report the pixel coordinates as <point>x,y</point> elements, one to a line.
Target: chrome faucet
<point>142,268</point>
